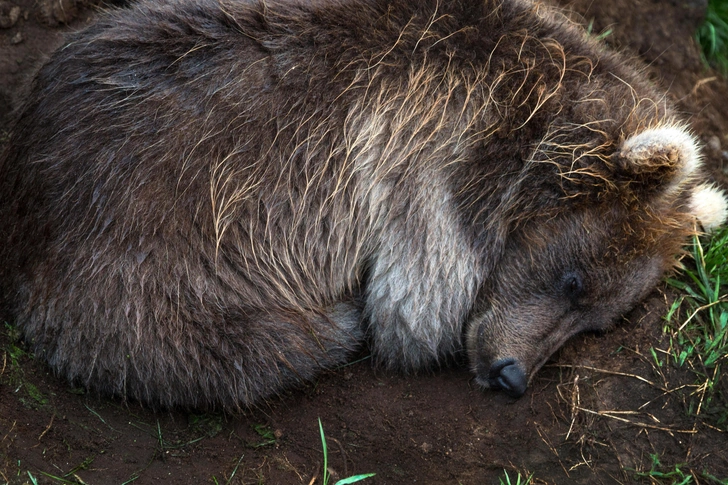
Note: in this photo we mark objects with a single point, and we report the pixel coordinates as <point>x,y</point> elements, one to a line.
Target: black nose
<point>508,377</point>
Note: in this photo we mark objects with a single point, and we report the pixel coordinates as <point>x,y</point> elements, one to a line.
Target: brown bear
<point>207,201</point>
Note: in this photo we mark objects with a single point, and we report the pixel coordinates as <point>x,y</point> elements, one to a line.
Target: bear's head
<point>619,226</point>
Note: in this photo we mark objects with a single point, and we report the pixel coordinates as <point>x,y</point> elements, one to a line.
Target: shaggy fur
<point>207,201</point>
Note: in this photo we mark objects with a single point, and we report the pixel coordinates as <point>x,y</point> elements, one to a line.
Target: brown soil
<point>595,414</point>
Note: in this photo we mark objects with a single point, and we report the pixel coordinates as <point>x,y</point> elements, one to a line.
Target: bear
<point>207,202</point>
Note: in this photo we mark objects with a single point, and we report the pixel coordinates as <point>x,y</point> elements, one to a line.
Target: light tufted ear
<point>659,159</point>
<point>709,205</point>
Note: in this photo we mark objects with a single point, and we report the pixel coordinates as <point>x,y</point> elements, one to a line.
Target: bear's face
<point>558,278</point>
<point>582,266</point>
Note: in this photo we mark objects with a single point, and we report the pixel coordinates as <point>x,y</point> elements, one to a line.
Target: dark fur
<point>206,202</point>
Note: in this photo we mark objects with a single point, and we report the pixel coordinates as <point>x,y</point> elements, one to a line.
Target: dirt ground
<point>596,414</point>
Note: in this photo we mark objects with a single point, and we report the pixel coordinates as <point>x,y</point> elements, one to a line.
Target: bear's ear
<point>657,159</point>
<point>709,205</point>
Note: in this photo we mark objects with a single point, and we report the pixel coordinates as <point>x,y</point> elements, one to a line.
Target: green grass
<point>517,480</point>
<point>267,435</point>
<point>597,36</point>
<point>678,474</point>
<point>326,477</point>
<point>206,424</point>
<point>69,478</point>
<point>713,35</point>
<point>232,475</point>
<point>697,323</point>
<point>14,376</point>
<point>661,474</point>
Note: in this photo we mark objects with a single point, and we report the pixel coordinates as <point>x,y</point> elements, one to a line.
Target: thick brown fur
<point>205,202</point>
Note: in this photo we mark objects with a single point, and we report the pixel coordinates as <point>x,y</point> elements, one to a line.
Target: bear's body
<point>205,202</point>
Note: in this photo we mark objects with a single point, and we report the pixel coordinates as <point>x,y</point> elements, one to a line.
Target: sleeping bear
<point>204,202</point>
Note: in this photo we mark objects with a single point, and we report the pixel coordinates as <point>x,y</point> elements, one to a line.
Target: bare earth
<point>595,414</point>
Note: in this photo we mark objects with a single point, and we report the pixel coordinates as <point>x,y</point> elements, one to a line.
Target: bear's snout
<point>507,375</point>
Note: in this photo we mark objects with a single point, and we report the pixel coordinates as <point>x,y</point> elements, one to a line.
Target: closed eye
<point>572,285</point>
